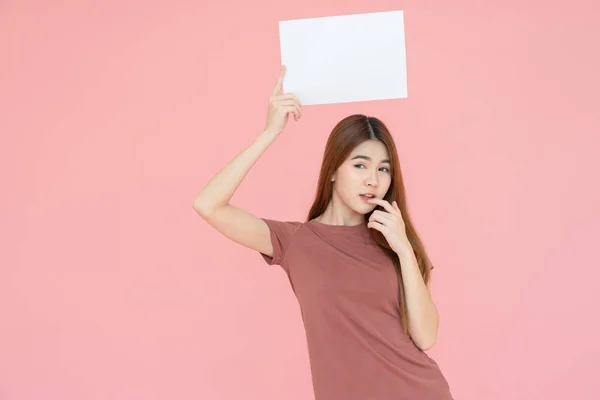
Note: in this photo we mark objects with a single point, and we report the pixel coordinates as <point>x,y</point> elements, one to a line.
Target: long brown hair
<point>345,136</point>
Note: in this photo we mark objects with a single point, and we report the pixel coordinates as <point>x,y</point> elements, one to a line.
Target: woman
<point>356,265</point>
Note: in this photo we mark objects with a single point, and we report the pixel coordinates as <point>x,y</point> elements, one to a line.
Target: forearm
<point>422,312</point>
<point>220,189</point>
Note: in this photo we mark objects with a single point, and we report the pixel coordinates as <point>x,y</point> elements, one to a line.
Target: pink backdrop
<point>114,114</point>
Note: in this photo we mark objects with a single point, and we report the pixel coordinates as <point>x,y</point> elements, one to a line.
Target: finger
<point>289,103</point>
<point>384,204</point>
<point>376,225</point>
<point>293,110</point>
<point>279,82</point>
<point>398,212</point>
<point>286,96</point>
<point>382,216</point>
<point>382,219</point>
<point>284,103</point>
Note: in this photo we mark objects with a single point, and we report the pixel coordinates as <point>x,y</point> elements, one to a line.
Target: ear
<point>333,177</point>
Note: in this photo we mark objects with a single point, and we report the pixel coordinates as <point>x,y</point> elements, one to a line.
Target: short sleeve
<point>282,233</point>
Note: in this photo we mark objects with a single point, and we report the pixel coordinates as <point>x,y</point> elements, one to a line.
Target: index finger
<point>279,82</point>
<point>384,204</point>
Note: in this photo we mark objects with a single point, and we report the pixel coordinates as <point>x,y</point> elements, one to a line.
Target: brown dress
<point>347,290</point>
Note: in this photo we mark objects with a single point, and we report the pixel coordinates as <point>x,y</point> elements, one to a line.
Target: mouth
<point>367,196</point>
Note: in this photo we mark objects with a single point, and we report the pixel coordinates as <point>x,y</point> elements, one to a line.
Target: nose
<point>372,179</point>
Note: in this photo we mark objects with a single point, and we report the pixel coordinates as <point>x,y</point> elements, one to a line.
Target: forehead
<point>373,149</point>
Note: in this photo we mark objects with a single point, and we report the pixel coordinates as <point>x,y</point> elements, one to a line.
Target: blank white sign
<point>347,58</point>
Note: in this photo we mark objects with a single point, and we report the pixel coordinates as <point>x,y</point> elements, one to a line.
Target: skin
<point>365,170</point>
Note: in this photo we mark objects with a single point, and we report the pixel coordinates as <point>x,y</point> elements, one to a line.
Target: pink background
<point>114,114</point>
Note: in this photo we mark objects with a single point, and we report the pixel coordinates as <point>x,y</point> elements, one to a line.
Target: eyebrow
<point>369,158</point>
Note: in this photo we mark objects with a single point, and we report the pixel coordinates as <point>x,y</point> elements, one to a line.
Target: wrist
<point>269,135</point>
<point>404,249</point>
<point>266,137</point>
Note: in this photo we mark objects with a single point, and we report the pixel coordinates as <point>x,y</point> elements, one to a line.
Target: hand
<point>391,224</point>
<point>280,107</point>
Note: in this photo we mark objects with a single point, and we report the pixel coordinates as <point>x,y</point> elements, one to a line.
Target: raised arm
<point>212,203</point>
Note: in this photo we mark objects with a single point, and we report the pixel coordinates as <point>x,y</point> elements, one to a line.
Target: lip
<point>365,198</point>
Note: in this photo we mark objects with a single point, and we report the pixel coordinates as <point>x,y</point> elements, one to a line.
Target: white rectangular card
<point>347,58</point>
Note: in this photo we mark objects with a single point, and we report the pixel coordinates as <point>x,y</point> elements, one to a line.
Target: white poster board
<point>347,58</point>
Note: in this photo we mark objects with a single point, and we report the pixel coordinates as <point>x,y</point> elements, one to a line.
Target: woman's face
<point>365,171</point>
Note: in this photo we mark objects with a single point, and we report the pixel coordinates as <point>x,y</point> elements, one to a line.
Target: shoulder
<point>284,226</point>
<point>282,234</point>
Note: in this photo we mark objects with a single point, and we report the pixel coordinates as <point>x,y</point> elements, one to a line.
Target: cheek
<point>346,186</point>
<point>346,178</point>
<point>353,180</point>
<point>385,182</point>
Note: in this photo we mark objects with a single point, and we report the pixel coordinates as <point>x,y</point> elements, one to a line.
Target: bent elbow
<point>201,208</point>
<point>427,346</point>
<point>426,343</point>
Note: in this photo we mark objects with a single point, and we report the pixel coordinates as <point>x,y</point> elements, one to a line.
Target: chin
<point>359,207</point>
<point>365,209</point>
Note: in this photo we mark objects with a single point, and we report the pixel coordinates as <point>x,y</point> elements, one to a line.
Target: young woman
<point>356,265</point>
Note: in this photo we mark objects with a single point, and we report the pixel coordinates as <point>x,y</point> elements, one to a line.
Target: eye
<point>386,169</point>
<point>359,165</point>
